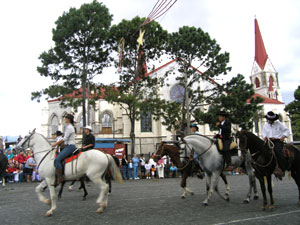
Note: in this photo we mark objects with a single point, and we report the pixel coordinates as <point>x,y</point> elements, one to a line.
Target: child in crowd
<point>153,171</point>
<point>147,168</point>
<point>173,170</point>
<point>11,170</point>
<point>130,169</point>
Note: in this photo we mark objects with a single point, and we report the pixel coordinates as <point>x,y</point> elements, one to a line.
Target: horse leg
<point>270,190</point>
<point>296,177</point>
<point>39,190</point>
<point>3,181</point>
<point>61,189</point>
<point>222,175</point>
<point>82,185</point>
<point>103,196</point>
<point>183,184</point>
<point>70,188</point>
<point>215,183</point>
<point>52,196</point>
<point>208,189</point>
<point>263,190</point>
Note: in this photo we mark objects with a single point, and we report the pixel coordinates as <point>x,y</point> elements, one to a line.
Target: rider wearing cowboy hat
<point>224,134</point>
<point>88,140</point>
<point>276,132</point>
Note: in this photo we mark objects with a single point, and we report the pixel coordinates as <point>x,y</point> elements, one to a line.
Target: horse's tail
<point>115,171</point>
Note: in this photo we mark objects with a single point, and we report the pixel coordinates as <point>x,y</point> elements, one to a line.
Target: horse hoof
<point>182,197</point>
<point>192,193</point>
<point>70,189</point>
<point>227,199</point>
<point>100,210</point>
<point>48,213</point>
<point>83,198</point>
<point>59,197</point>
<point>205,203</point>
<point>246,201</point>
<point>255,197</point>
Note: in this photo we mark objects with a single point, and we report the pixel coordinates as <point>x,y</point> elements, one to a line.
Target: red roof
<point>260,51</point>
<point>266,100</point>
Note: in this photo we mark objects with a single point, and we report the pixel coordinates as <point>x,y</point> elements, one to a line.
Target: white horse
<point>212,162</point>
<point>93,163</point>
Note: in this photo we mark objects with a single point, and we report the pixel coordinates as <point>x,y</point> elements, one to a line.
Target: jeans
<point>66,152</point>
<point>124,172</point>
<point>135,171</point>
<point>130,170</point>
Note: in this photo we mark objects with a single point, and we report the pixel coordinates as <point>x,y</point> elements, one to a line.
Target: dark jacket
<point>225,130</point>
<point>124,162</point>
<point>89,139</point>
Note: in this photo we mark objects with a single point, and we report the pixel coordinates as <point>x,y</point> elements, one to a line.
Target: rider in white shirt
<point>276,132</point>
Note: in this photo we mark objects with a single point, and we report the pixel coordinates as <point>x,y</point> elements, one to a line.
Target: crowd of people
<point>21,167</point>
<point>137,168</point>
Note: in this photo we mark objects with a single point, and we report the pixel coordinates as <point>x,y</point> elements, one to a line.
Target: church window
<point>54,124</point>
<point>146,122</point>
<point>107,123</point>
<point>257,83</point>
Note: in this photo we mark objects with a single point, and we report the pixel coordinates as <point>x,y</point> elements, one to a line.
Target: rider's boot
<point>59,176</point>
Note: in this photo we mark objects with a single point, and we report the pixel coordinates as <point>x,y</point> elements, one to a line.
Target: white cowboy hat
<point>88,127</point>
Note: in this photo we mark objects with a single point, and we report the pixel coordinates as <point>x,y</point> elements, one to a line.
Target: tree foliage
<point>136,92</point>
<point>293,110</point>
<point>80,52</point>
<point>236,99</point>
<point>193,47</point>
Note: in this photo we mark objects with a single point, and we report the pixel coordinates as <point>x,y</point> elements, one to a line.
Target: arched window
<point>271,83</point>
<point>54,124</point>
<point>146,122</point>
<point>257,83</point>
<point>107,123</point>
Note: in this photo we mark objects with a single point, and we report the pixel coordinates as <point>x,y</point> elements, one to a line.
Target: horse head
<point>25,143</point>
<point>242,140</point>
<point>166,149</point>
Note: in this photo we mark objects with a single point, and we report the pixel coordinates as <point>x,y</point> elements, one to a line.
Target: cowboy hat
<point>193,125</point>
<point>223,113</point>
<point>69,116</point>
<point>272,116</point>
<point>58,133</point>
<point>88,127</point>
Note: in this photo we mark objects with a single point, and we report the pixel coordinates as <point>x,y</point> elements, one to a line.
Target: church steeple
<point>264,77</point>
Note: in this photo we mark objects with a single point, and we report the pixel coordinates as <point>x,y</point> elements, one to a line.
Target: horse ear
<point>34,130</point>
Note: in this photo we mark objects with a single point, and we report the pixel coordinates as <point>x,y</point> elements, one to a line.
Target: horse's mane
<point>255,142</point>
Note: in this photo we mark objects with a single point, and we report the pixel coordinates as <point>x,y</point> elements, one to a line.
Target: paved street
<point>151,202</point>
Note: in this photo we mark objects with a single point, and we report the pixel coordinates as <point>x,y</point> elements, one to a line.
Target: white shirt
<point>276,130</point>
<point>69,137</point>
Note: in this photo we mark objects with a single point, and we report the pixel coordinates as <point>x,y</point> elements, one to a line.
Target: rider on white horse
<point>195,130</point>
<point>69,142</point>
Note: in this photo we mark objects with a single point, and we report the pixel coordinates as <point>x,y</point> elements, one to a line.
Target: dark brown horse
<point>263,161</point>
<point>3,166</point>
<point>186,168</point>
<point>292,154</point>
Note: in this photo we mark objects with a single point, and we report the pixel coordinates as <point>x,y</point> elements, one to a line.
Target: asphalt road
<point>151,202</point>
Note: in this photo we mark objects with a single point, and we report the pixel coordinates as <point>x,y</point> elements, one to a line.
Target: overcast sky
<point>26,32</point>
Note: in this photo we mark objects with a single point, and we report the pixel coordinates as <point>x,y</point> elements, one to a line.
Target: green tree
<point>293,110</point>
<point>192,46</point>
<point>136,92</point>
<point>236,99</point>
<point>80,52</point>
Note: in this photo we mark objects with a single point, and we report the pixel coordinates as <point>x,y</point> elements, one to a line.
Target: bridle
<point>255,162</point>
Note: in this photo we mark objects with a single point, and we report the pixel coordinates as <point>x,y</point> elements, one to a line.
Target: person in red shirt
<point>21,158</point>
<point>10,172</point>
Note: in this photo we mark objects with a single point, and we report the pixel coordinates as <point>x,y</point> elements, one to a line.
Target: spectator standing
<point>29,165</point>
<point>9,154</point>
<point>148,170</point>
<point>160,168</point>
<point>153,171</point>
<point>173,170</point>
<point>1,145</point>
<point>124,167</point>
<point>142,162</point>
<point>130,169</point>
<point>135,163</point>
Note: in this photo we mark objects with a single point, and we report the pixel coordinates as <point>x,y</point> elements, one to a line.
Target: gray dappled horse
<point>212,162</point>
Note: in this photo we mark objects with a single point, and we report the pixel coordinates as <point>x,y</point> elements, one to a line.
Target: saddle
<point>232,145</point>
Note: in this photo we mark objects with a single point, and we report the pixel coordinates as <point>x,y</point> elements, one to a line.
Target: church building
<point>110,121</point>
